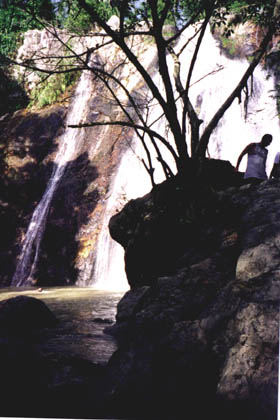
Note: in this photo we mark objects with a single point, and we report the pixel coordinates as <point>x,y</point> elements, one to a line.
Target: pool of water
<point>83,313</point>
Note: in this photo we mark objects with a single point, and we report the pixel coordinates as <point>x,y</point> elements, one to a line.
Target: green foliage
<point>181,11</point>
<point>71,16</point>
<point>230,13</point>
<point>13,96</point>
<point>258,11</point>
<point>16,17</point>
<point>229,45</point>
<point>51,89</point>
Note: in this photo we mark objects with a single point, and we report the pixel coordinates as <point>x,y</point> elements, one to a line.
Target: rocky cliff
<point>198,331</point>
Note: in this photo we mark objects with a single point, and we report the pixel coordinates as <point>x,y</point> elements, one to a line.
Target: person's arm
<point>247,149</point>
<point>276,167</point>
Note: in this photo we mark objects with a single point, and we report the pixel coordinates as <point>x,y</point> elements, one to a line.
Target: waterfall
<point>67,151</point>
<point>214,77</point>
<point>131,181</point>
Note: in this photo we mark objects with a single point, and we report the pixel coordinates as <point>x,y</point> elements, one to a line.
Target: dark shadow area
<point>50,382</point>
<point>26,143</point>
<point>13,96</point>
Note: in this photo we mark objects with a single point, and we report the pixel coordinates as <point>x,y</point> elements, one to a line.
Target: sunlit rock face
<point>43,46</point>
<point>199,328</point>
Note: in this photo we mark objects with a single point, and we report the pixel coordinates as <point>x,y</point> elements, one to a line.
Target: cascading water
<point>214,77</point>
<point>217,75</point>
<point>67,151</point>
<point>130,182</point>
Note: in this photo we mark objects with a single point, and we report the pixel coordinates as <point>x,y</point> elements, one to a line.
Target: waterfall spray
<point>109,270</point>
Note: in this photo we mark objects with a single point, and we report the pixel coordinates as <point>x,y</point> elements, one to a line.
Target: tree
<point>148,19</point>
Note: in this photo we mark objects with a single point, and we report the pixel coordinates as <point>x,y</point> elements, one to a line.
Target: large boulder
<point>43,380</point>
<point>21,314</point>
<point>199,328</point>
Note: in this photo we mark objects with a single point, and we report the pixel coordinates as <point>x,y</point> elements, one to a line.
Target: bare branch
<point>188,41</point>
<point>197,47</point>
<point>168,106</point>
<point>189,23</point>
<point>132,125</point>
<point>236,93</point>
<point>42,70</point>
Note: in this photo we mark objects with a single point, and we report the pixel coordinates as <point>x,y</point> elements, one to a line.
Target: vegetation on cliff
<point>14,22</point>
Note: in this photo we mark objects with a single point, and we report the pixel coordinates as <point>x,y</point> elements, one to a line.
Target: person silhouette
<point>257,156</point>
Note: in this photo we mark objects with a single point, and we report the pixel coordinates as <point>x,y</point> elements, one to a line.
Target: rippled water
<point>83,313</point>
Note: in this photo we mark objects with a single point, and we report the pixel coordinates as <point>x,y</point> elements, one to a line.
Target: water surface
<point>83,313</point>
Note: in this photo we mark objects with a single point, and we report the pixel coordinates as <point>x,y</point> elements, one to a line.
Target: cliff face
<point>198,331</point>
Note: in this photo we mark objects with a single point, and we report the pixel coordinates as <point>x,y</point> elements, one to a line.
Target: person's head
<point>266,140</point>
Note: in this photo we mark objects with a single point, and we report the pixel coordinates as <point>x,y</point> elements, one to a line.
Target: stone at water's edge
<point>22,314</point>
<point>38,381</point>
<point>199,328</point>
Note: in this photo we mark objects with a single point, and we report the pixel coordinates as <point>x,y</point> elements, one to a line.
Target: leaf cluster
<point>52,88</point>
<point>71,16</point>
<point>18,16</point>
<point>232,12</point>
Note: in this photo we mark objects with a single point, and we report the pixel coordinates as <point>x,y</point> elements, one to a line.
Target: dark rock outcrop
<point>198,331</point>
<point>22,314</point>
<point>36,382</point>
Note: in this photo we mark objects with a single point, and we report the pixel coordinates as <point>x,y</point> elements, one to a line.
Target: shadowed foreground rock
<point>23,314</point>
<point>198,331</point>
<point>39,383</point>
